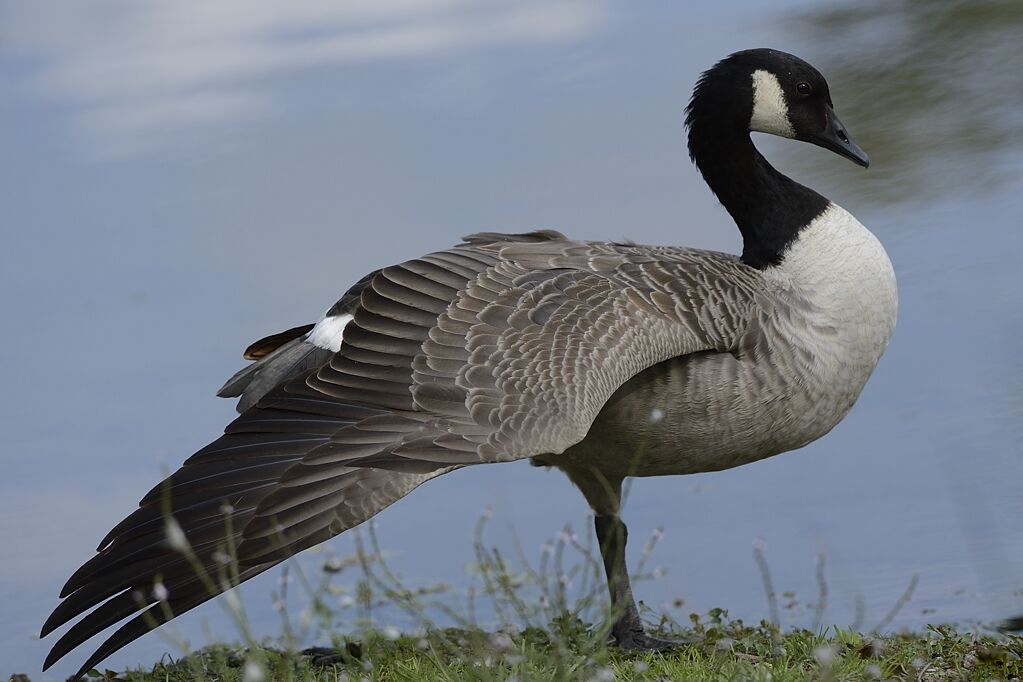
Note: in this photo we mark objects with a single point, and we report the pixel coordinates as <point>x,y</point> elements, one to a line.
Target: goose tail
<point>276,359</point>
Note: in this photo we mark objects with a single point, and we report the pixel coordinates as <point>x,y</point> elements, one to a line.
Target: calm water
<point>176,184</point>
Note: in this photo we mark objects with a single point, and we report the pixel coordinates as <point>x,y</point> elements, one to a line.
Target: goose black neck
<point>769,208</point>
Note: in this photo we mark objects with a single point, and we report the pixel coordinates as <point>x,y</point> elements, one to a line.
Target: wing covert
<point>547,353</point>
<point>535,338</point>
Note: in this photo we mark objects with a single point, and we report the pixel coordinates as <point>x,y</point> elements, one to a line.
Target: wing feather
<point>501,348</point>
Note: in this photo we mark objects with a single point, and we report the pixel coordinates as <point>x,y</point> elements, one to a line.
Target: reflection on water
<point>933,89</point>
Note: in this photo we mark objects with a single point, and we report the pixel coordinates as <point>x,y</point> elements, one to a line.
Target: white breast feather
<point>839,267</point>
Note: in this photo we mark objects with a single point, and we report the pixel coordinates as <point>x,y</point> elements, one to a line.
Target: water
<point>180,184</point>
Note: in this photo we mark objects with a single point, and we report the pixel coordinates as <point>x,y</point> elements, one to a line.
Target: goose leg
<point>627,630</point>
<point>604,494</point>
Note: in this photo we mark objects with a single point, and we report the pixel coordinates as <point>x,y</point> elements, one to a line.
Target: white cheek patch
<point>329,331</point>
<point>770,114</point>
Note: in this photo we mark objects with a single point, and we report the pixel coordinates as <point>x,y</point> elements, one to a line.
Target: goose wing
<point>500,348</point>
<point>537,335</point>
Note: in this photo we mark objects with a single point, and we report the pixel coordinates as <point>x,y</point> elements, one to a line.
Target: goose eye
<point>803,88</point>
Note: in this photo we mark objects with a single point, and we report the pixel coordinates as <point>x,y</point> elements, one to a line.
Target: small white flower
<point>160,592</point>
<point>221,558</point>
<point>658,534</point>
<point>278,605</point>
<point>226,509</point>
<point>253,672</point>
<point>568,537</point>
<point>423,644</point>
<point>824,655</point>
<point>656,415</point>
<point>233,602</point>
<point>640,667</point>
<point>725,643</point>
<point>175,536</point>
<point>659,572</point>
<point>874,670</point>
<point>345,601</point>
<point>565,581</point>
<point>546,548</point>
<point>604,675</point>
<point>501,641</point>
<point>334,565</point>
<point>390,632</point>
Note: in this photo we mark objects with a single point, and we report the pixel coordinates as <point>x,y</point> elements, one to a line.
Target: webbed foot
<point>633,640</point>
<point>324,655</point>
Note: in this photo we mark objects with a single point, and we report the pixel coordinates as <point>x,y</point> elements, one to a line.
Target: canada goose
<point>603,360</point>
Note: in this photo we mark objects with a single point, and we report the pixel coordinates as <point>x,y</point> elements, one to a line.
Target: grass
<point>725,650</point>
<point>555,617</point>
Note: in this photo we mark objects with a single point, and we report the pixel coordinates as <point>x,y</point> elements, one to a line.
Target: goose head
<point>769,91</point>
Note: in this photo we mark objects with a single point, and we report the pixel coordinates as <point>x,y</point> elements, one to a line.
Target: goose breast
<point>828,312</point>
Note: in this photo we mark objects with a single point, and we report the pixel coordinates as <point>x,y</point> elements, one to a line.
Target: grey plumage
<point>287,361</point>
<point>490,351</point>
<point>603,360</point>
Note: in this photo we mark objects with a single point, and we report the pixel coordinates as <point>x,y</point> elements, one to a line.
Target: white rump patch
<point>329,331</point>
<point>770,113</point>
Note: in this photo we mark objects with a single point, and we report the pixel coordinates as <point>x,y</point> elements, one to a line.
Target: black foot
<point>322,655</point>
<point>641,641</point>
